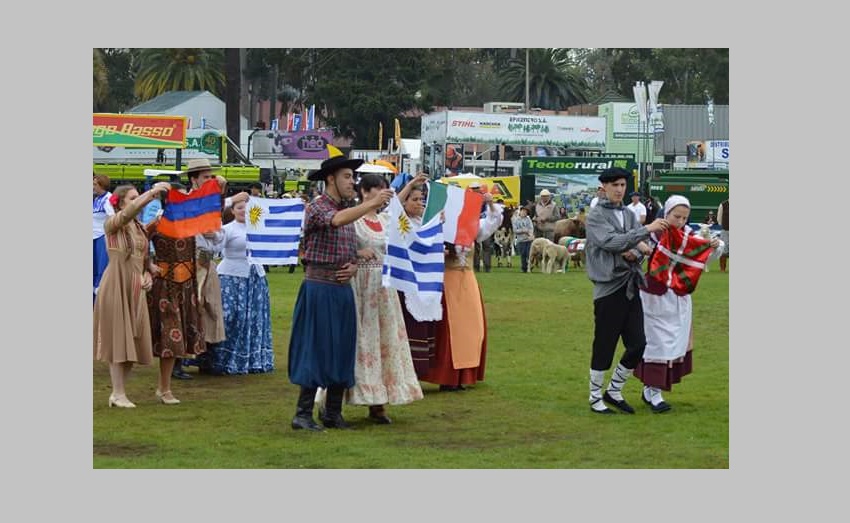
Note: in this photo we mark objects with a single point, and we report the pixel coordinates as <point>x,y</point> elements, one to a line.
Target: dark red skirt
<point>663,375</point>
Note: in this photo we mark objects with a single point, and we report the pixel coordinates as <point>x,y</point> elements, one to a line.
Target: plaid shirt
<point>324,243</point>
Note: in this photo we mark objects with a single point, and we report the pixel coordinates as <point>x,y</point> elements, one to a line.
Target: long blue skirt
<point>247,325</point>
<point>101,260</point>
<point>324,336</point>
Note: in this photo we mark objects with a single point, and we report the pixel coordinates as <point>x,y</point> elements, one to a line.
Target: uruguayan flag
<point>273,229</point>
<point>414,263</point>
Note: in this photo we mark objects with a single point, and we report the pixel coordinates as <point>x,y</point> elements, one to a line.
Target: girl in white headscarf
<point>667,323</point>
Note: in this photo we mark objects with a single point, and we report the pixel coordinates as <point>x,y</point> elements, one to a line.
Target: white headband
<point>673,201</point>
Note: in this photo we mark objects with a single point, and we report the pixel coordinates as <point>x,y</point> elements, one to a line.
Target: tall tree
<point>172,69</point>
<point>100,81</point>
<point>554,80</point>
<point>361,88</point>
<point>233,74</point>
<point>120,65</point>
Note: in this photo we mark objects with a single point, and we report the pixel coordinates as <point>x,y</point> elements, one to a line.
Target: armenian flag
<point>198,212</point>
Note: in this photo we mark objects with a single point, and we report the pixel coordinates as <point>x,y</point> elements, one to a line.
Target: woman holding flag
<point>383,368</point>
<point>461,336</point>
<point>122,334</point>
<point>666,300</point>
<point>176,324</point>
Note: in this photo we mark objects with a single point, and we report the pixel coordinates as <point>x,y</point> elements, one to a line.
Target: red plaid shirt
<point>324,243</point>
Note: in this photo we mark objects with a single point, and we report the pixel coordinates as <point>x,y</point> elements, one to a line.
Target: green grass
<point>530,412</point>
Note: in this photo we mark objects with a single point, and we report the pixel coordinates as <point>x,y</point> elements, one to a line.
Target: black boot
<point>178,372</point>
<point>332,418</point>
<point>304,413</point>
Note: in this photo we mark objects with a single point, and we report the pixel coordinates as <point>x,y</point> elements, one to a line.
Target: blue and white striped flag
<point>273,229</point>
<point>414,263</point>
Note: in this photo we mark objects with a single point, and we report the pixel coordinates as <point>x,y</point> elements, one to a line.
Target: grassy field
<point>530,412</point>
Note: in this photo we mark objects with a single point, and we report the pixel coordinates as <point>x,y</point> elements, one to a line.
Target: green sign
<point>207,143</point>
<point>574,164</point>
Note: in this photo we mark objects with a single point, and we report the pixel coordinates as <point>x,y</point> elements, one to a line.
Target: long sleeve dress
<point>383,368</point>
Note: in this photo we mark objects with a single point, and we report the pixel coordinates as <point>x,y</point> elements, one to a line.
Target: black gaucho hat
<point>331,165</point>
<point>613,174</point>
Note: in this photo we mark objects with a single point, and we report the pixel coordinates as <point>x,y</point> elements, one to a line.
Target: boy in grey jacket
<point>614,250</point>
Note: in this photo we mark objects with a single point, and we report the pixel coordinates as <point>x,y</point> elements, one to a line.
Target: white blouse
<point>101,210</point>
<point>235,252</point>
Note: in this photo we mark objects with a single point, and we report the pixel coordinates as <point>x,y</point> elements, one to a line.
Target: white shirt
<point>639,209</point>
<point>214,246</point>
<point>594,201</point>
<point>235,252</point>
<point>101,209</point>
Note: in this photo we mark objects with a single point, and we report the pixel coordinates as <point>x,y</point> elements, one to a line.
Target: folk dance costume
<point>323,342</point>
<point>246,310</point>
<point>675,266</point>
<point>611,230</point>
<point>383,369</point>
<point>461,336</point>
<point>101,210</point>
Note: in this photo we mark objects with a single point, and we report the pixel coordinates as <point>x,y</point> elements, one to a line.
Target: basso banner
<point>505,188</point>
<point>138,130</point>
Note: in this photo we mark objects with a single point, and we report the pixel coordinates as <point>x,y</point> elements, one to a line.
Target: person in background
<point>545,216</point>
<point>723,220</point>
<point>101,210</point>
<point>121,327</point>
<point>524,234</point>
<point>256,190</point>
<point>637,207</point>
<point>600,193</point>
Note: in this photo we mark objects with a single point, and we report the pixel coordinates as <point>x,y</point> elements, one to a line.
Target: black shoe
<point>621,404</point>
<point>658,409</point>
<point>379,416</point>
<point>181,375</point>
<point>606,411</point>
<point>304,411</point>
<point>332,418</point>
<point>303,422</point>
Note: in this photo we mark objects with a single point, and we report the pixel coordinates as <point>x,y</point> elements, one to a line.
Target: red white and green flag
<point>462,210</point>
<point>678,260</point>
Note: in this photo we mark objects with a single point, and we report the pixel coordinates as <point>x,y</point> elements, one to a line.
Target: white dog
<point>706,232</point>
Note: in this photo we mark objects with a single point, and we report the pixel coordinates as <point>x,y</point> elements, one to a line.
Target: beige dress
<point>122,330</point>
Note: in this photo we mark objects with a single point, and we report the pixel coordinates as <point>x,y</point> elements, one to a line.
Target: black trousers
<point>617,316</point>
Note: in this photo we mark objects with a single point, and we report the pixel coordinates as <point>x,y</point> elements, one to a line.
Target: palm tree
<point>170,69</point>
<point>100,80</point>
<point>554,81</point>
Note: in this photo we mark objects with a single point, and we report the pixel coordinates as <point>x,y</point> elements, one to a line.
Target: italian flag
<point>462,208</point>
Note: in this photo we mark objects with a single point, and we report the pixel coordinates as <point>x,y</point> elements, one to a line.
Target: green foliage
<point>172,69</point>
<point>554,80</point>
<point>531,410</point>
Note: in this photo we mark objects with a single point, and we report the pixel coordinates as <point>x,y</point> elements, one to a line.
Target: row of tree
<point>355,89</point>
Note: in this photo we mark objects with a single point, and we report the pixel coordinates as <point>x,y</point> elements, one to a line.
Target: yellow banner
<point>503,188</point>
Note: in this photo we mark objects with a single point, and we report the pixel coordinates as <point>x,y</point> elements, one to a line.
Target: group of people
<point>358,340</point>
<point>352,339</point>
<point>164,296</point>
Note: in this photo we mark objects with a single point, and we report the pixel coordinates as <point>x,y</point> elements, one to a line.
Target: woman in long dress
<point>247,347</point>
<point>667,357</point>
<point>383,369</point>
<point>121,330</point>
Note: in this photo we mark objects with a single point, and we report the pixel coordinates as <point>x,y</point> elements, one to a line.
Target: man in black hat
<point>614,251</point>
<point>637,207</point>
<point>324,323</point>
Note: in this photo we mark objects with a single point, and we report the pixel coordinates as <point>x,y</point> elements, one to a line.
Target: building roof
<point>165,101</point>
<point>610,96</point>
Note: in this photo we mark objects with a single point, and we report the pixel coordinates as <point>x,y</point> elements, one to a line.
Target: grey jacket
<point>606,242</point>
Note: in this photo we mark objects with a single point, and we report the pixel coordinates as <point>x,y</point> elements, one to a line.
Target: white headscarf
<point>673,201</point>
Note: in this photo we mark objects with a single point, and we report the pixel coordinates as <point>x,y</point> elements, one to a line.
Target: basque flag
<point>198,212</point>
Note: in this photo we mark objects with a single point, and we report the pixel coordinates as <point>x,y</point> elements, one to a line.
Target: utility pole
<point>527,83</point>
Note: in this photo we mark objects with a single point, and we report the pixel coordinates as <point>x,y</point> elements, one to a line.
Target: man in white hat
<point>545,216</point>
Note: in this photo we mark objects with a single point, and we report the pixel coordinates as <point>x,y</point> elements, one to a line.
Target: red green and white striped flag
<point>462,209</point>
